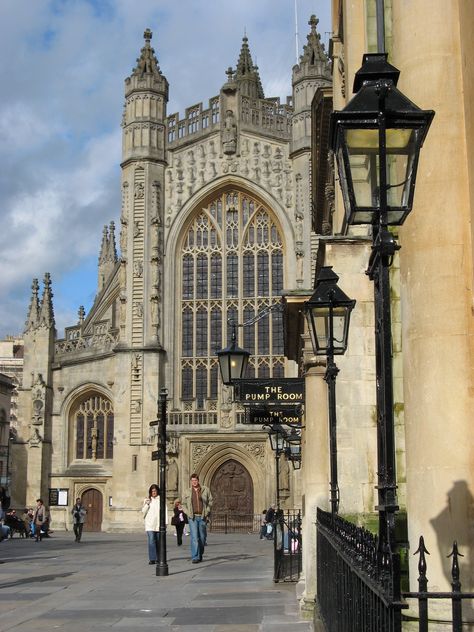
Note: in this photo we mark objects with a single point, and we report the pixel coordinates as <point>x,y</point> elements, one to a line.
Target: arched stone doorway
<point>92,501</point>
<point>232,490</point>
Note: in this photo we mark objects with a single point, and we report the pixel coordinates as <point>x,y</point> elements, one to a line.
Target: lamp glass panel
<point>319,317</point>
<point>364,160</point>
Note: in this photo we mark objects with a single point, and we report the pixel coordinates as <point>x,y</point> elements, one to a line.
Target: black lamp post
<point>277,438</point>
<point>233,360</point>
<point>377,140</point>
<point>328,314</point>
<point>162,566</point>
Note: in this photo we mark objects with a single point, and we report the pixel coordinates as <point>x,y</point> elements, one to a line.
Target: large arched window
<point>231,268</point>
<point>93,428</point>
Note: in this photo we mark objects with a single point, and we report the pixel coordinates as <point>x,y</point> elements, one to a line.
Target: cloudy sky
<point>62,66</point>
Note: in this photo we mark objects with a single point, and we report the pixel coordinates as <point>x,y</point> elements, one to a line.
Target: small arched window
<point>93,424</point>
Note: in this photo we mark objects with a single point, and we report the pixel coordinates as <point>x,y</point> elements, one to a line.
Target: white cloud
<point>62,67</point>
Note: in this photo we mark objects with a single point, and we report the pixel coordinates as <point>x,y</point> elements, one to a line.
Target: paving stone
<point>106,584</point>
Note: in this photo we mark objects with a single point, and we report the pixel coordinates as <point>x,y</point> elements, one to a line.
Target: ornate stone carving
<point>199,451</point>
<point>139,190</point>
<point>38,396</point>
<point>257,450</point>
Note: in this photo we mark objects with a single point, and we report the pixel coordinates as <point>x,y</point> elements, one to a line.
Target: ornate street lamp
<point>162,565</point>
<point>233,360</point>
<point>377,140</point>
<point>328,314</point>
<point>277,436</point>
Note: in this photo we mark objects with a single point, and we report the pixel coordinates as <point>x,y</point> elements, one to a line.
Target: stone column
<point>430,49</point>
<point>315,468</point>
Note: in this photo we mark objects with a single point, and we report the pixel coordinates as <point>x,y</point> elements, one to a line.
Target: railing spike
<point>456,584</point>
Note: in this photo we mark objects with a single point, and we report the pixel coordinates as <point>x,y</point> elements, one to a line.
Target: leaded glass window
<point>93,428</point>
<point>231,268</point>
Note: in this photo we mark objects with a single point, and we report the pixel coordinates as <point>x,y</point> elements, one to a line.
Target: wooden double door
<point>93,501</point>
<point>232,490</point>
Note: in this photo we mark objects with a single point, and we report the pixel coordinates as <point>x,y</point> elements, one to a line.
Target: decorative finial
<point>147,35</point>
<point>313,22</point>
<point>81,314</point>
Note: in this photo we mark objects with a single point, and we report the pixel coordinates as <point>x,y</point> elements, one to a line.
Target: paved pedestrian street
<point>105,583</point>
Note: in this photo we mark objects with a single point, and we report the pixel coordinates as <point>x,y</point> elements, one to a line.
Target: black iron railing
<point>423,596</point>
<point>234,523</point>
<point>287,546</point>
<point>355,587</point>
<point>358,585</point>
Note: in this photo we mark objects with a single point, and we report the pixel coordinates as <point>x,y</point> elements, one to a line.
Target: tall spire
<point>111,245</point>
<point>107,254</point>
<point>33,310</point>
<point>103,247</point>
<point>246,74</point>
<point>46,311</point>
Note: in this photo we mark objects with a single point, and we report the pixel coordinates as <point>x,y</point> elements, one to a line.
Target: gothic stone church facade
<point>215,224</point>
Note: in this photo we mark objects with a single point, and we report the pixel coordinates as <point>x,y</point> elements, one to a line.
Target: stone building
<point>431,296</point>
<point>215,224</point>
<point>6,388</point>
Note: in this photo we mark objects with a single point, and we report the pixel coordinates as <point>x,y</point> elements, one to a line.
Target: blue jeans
<point>198,532</point>
<point>153,540</point>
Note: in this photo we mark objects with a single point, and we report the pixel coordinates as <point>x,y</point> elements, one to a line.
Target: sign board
<point>272,391</point>
<point>155,455</point>
<point>58,497</point>
<point>265,415</point>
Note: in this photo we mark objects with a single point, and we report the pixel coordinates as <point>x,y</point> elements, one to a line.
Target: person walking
<point>151,515</point>
<point>179,520</point>
<point>79,517</point>
<point>269,519</point>
<point>197,503</point>
<point>39,519</point>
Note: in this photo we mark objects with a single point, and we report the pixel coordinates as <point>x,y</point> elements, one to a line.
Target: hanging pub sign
<point>272,391</point>
<point>286,415</point>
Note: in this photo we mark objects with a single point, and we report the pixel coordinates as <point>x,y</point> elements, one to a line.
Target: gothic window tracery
<point>93,428</point>
<point>231,269</point>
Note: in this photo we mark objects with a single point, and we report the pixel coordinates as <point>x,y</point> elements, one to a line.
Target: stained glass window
<point>232,270</point>
<point>93,427</point>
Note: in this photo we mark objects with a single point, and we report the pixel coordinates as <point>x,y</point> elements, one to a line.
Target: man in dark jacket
<point>78,518</point>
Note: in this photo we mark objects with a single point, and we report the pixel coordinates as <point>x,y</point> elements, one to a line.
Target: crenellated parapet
<point>265,116</point>
<point>102,340</point>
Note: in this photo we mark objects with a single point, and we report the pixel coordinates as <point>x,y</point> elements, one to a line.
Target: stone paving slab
<point>105,583</point>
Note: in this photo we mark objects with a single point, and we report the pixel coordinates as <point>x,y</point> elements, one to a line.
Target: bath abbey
<point>214,228</point>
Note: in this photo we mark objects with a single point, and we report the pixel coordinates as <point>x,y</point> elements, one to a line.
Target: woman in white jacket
<point>151,514</point>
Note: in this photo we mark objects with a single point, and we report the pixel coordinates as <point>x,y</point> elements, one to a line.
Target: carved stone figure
<point>139,190</point>
<point>172,476</point>
<point>138,268</point>
<point>229,134</point>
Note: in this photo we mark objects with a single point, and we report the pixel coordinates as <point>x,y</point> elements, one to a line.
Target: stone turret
<point>146,94</point>
<point>35,396</point>
<point>141,294</point>
<point>312,72</point>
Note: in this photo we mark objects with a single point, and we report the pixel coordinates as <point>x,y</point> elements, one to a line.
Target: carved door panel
<point>92,501</point>
<point>232,489</point>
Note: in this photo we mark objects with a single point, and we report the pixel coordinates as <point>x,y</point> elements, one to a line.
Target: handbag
<point>173,521</point>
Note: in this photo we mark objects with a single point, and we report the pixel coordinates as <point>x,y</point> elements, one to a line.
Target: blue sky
<point>62,68</point>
